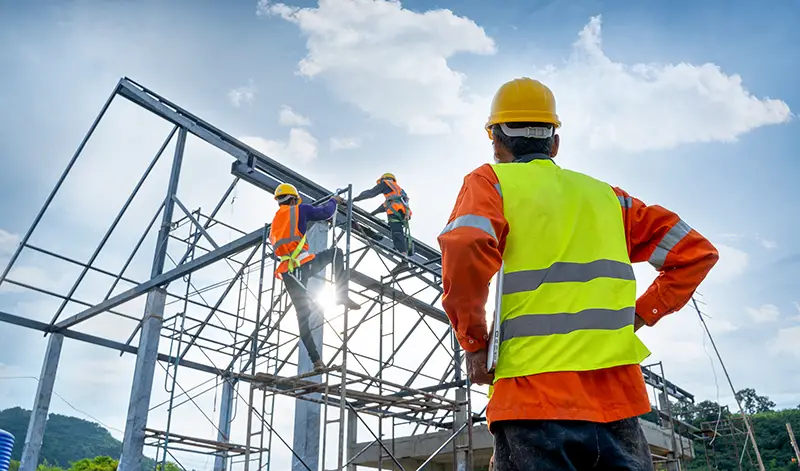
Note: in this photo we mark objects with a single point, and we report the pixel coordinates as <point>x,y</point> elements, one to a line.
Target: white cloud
<point>8,242</point>
<point>244,94</point>
<point>642,106</point>
<point>388,61</point>
<point>392,64</point>
<point>732,263</point>
<point>766,313</point>
<point>288,117</point>
<point>785,342</point>
<point>344,143</point>
<point>301,146</point>
<point>797,307</point>
<point>766,243</point>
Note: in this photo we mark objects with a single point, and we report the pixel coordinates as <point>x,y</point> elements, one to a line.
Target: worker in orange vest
<point>397,209</point>
<point>287,234</point>
<point>567,387</point>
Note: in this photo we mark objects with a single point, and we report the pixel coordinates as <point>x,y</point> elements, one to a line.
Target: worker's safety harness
<point>292,258</point>
<point>396,197</point>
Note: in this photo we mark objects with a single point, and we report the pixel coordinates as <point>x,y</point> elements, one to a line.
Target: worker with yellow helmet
<point>287,234</point>
<point>567,387</point>
<point>397,209</point>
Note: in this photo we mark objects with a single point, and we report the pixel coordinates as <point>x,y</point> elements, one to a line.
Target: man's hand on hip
<point>638,322</point>
<point>476,368</point>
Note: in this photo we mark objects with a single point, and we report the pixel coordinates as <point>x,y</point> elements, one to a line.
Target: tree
<point>45,466</point>
<point>752,403</point>
<point>100,463</point>
<point>170,466</point>
<point>684,411</point>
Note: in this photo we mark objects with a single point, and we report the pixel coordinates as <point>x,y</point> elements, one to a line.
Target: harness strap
<point>292,257</point>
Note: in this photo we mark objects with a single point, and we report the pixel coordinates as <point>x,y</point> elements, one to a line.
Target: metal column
<point>41,405</point>
<point>224,426</point>
<point>141,389</point>
<point>305,441</point>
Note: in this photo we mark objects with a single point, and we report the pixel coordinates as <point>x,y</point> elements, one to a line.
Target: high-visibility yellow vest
<point>569,292</point>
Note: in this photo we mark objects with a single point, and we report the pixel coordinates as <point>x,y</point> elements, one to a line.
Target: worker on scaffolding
<point>287,234</point>
<point>567,385</point>
<point>398,212</point>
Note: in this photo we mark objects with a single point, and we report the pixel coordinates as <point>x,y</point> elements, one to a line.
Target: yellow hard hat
<point>523,100</point>
<point>287,189</point>
<point>386,175</point>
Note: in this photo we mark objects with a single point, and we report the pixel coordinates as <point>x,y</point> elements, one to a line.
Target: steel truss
<point>240,329</point>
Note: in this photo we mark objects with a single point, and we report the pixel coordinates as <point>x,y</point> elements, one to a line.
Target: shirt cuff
<point>650,309</point>
<point>472,344</point>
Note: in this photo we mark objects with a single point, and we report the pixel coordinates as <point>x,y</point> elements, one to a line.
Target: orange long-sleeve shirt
<point>471,256</point>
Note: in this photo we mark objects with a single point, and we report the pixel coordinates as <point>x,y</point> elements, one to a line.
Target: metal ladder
<point>259,422</point>
<point>342,406</point>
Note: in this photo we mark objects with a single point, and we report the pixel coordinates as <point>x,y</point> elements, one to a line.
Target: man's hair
<point>286,199</point>
<point>524,145</point>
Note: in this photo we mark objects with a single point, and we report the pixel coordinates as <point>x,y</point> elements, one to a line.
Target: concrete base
<point>413,451</point>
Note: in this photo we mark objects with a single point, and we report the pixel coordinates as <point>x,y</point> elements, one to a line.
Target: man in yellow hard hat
<point>287,235</point>
<point>397,209</point>
<point>567,387</point>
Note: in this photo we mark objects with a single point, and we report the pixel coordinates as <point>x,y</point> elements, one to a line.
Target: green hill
<point>66,439</point>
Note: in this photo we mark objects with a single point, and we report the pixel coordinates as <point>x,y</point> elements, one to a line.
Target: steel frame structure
<point>244,338</point>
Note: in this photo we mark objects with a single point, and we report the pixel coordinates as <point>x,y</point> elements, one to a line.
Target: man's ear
<point>556,142</point>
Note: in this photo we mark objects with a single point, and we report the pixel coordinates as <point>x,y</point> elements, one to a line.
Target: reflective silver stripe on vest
<point>499,190</point>
<point>532,325</point>
<point>625,201</point>
<point>293,215</point>
<point>471,220</point>
<point>670,240</point>
<point>561,272</point>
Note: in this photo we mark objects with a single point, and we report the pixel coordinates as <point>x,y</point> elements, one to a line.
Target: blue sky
<point>689,105</point>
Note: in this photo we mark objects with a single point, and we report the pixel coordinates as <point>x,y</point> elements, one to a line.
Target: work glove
<point>476,367</point>
<point>338,199</point>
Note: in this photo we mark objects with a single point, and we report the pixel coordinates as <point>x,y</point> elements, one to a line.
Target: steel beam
<point>398,296</point>
<point>255,160</point>
<point>163,279</point>
<point>99,341</point>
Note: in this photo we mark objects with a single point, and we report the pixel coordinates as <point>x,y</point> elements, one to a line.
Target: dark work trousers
<point>565,445</point>
<point>398,232</point>
<point>303,304</point>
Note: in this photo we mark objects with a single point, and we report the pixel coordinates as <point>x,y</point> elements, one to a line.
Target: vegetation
<point>70,444</point>
<point>726,450</point>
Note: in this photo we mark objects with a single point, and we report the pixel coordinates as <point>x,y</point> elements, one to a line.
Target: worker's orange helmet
<point>523,100</point>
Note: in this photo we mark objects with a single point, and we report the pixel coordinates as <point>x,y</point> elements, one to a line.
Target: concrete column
<point>41,404</point>
<point>673,464</point>
<point>461,443</point>
<point>305,441</point>
<point>352,437</point>
<point>224,434</point>
<point>142,387</point>
<point>461,461</point>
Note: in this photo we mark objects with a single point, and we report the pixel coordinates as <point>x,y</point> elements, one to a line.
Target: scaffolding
<point>681,434</point>
<point>201,307</point>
